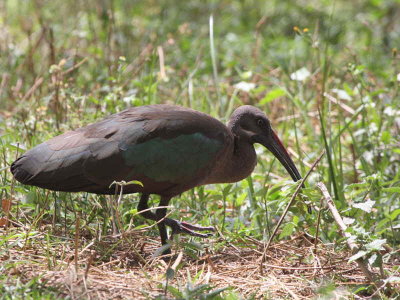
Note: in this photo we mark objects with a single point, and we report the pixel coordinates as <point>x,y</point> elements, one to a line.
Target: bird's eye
<point>260,122</point>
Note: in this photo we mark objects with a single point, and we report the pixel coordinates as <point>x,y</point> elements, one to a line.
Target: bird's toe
<point>187,228</point>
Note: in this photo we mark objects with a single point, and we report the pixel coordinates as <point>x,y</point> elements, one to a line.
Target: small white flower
<point>368,155</point>
<point>128,99</point>
<point>359,132</point>
<point>342,94</point>
<point>300,75</point>
<point>231,37</point>
<point>245,86</point>
<point>389,111</point>
<point>348,221</point>
<point>372,127</point>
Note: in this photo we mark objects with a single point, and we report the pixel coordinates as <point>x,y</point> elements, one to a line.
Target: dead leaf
<point>3,222</point>
<point>6,205</point>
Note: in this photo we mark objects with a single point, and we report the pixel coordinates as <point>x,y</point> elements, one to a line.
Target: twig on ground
<point>73,68</point>
<point>287,209</point>
<point>362,264</point>
<point>89,262</point>
<point>33,88</point>
<point>76,244</point>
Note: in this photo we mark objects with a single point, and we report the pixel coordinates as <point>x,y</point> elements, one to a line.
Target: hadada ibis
<point>169,149</point>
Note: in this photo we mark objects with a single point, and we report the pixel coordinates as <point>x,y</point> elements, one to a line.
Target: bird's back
<point>168,148</point>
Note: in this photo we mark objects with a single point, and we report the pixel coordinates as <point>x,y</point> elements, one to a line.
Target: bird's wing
<point>162,146</point>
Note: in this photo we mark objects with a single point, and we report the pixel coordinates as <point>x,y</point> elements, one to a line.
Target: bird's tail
<point>19,172</point>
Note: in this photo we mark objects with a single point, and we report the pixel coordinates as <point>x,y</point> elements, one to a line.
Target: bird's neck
<point>237,164</point>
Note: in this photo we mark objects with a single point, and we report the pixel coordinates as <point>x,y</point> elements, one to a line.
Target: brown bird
<point>169,149</point>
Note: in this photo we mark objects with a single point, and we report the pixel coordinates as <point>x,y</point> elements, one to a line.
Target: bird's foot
<point>197,227</point>
<point>184,227</point>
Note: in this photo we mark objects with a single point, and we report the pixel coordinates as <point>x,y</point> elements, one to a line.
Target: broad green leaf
<point>216,292</point>
<point>287,230</point>
<point>272,95</point>
<point>386,137</point>
<point>175,292</point>
<point>394,214</point>
<point>392,189</point>
<point>376,245</point>
<point>375,260</point>
<point>372,259</point>
<point>365,206</point>
<point>123,183</point>
<point>135,182</point>
<point>194,245</point>
<point>357,255</point>
<point>198,289</point>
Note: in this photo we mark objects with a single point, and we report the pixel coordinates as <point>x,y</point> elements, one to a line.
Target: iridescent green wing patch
<point>172,159</point>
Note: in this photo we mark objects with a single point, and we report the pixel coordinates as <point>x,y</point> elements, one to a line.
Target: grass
<point>325,72</point>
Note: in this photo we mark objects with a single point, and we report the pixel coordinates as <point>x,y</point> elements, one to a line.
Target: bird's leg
<point>143,209</point>
<point>160,214</point>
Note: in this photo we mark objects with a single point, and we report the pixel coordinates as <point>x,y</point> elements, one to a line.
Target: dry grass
<point>293,269</point>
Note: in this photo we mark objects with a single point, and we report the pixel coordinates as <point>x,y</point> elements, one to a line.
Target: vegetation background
<point>325,72</point>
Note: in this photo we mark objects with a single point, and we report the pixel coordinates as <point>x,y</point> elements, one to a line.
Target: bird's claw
<point>187,228</point>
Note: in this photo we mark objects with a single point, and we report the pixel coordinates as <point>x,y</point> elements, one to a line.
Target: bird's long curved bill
<point>280,152</point>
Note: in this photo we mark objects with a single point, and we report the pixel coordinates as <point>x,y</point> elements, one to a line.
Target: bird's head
<point>251,124</point>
